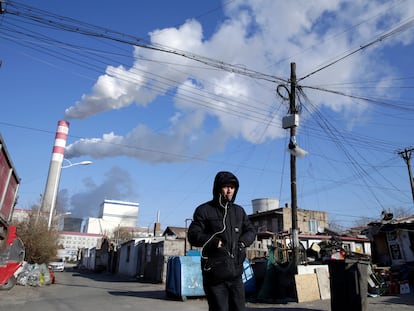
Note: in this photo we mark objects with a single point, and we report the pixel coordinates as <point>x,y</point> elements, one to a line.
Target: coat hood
<point>221,179</point>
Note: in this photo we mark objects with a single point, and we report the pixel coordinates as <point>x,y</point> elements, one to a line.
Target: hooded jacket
<point>222,220</point>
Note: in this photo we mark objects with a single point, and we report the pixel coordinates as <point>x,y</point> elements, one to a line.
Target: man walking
<point>223,231</point>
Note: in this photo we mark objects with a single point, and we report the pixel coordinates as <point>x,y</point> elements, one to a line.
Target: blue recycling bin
<point>184,278</point>
<point>249,280</point>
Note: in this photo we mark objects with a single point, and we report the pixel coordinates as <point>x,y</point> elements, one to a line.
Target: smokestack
<point>157,225</point>
<point>53,178</point>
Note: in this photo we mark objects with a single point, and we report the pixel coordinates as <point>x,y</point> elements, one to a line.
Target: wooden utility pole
<point>293,111</point>
<point>406,155</point>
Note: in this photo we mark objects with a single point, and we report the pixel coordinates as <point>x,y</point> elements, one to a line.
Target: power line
<point>75,26</point>
<point>99,58</point>
<point>364,98</point>
<point>407,25</point>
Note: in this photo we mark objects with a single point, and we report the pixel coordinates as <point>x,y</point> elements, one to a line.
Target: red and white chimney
<point>53,178</point>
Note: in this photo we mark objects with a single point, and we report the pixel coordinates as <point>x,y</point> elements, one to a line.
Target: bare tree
<point>40,243</point>
<point>400,212</point>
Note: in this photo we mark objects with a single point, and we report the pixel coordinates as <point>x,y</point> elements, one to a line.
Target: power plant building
<point>113,215</point>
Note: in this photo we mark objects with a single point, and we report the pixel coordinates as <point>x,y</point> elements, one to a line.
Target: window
<point>313,226</point>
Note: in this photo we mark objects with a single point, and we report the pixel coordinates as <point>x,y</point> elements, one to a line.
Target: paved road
<point>79,290</point>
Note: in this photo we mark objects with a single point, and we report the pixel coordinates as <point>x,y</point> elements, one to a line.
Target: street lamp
<point>56,186</point>
<point>74,164</point>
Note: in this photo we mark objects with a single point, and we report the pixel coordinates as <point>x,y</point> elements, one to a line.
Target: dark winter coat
<point>221,220</point>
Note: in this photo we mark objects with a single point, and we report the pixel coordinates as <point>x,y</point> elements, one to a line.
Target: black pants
<point>226,296</point>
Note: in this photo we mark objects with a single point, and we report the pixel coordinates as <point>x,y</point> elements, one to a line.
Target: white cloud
<point>261,35</point>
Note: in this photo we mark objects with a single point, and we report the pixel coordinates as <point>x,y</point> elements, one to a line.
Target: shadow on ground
<point>100,276</point>
<point>150,294</point>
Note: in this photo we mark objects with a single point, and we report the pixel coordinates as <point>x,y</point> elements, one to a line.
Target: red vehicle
<point>11,246</point>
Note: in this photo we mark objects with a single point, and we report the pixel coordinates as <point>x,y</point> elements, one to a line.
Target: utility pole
<point>406,155</point>
<point>293,111</point>
<point>291,121</point>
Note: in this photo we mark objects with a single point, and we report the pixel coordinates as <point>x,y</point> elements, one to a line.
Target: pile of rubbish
<point>35,275</point>
<point>325,251</point>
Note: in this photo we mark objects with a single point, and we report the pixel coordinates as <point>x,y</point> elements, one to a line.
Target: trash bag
<point>45,278</point>
<point>34,275</point>
<point>33,278</point>
<point>23,274</point>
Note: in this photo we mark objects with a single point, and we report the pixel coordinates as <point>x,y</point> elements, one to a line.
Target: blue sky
<point>161,95</point>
